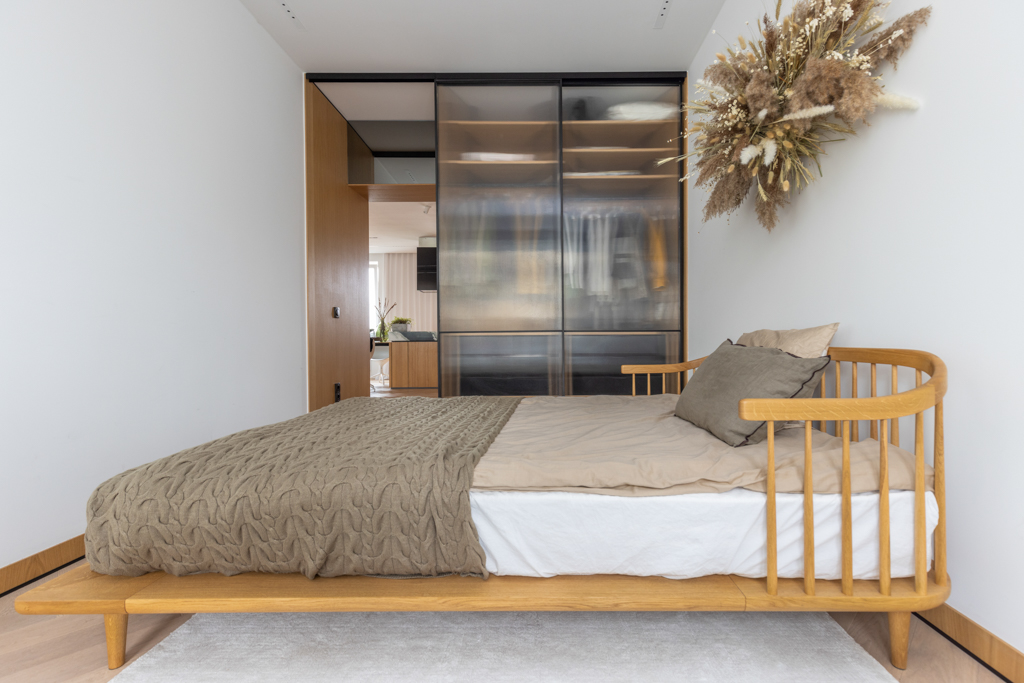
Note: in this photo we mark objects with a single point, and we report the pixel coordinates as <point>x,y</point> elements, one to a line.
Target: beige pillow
<point>810,343</point>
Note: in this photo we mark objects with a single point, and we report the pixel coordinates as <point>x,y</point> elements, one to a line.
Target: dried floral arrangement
<point>767,107</point>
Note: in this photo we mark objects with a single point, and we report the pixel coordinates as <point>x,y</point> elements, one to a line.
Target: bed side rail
<point>680,370</point>
<point>844,410</point>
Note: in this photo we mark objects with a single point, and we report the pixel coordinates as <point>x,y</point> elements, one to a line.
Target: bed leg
<point>899,638</point>
<point>117,637</point>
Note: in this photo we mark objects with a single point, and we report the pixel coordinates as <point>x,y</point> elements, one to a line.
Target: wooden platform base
<point>83,591</point>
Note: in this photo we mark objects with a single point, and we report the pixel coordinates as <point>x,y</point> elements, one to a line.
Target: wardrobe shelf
<point>502,124</point>
<point>647,177</point>
<point>498,172</point>
<point>583,187</point>
<point>518,137</point>
<point>626,134</point>
<point>619,150</point>
<point>611,124</point>
<point>469,163</point>
<point>642,159</point>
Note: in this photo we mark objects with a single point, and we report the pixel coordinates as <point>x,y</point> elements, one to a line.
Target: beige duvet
<point>636,446</point>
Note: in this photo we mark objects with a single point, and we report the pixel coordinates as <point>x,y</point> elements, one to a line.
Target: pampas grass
<point>809,113</point>
<point>770,103</point>
<point>889,101</point>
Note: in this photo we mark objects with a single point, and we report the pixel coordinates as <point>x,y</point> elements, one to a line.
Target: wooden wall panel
<point>337,258</point>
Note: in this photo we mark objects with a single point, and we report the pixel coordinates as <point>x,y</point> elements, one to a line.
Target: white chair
<point>380,357</point>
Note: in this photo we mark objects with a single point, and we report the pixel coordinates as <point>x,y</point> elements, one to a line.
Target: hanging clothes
<point>618,272</point>
<point>657,253</point>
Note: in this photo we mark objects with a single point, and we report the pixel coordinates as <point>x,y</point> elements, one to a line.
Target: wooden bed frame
<point>82,591</point>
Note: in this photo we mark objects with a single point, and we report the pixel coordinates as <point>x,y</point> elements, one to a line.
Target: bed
<point>576,503</point>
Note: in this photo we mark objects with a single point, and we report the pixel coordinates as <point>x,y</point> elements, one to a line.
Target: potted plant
<point>400,324</point>
<point>383,309</point>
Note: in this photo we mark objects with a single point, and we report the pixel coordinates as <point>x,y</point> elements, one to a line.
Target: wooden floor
<point>932,658</point>
<point>72,647</point>
<point>69,648</point>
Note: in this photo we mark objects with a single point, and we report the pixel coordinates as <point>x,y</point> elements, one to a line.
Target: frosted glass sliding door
<point>621,209</point>
<point>510,364</point>
<point>499,243</point>
<point>498,208</point>
<point>594,360</point>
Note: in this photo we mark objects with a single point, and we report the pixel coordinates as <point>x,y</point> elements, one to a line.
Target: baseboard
<point>997,653</point>
<point>23,571</point>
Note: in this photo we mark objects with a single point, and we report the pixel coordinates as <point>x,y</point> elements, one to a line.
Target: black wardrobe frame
<point>562,79</point>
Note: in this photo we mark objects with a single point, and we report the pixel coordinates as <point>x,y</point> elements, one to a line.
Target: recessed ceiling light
<point>662,13</point>
<point>293,20</point>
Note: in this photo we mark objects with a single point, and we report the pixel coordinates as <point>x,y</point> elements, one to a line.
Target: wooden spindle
<point>920,526</point>
<point>853,394</point>
<point>847,514</point>
<point>941,577</point>
<point>634,383</point>
<point>773,558</point>
<point>895,421</point>
<point>648,384</point>
<point>874,393</point>
<point>839,392</point>
<point>808,512</point>
<point>822,425</point>
<point>884,566</point>
<point>919,420</point>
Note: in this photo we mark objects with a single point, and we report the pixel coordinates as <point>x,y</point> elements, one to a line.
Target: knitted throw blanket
<point>364,486</point>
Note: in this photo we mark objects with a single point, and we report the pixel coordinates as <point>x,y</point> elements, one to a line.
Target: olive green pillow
<point>733,372</point>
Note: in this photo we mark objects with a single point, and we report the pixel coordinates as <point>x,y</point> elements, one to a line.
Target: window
<point>374,281</point>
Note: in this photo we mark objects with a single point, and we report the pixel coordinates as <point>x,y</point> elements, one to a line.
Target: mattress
<point>545,533</point>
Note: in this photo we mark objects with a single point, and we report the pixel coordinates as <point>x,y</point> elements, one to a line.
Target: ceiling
<point>397,226</point>
<point>466,36</point>
<point>472,36</point>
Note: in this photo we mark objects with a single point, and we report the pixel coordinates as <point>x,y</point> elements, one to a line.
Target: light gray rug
<point>508,646</point>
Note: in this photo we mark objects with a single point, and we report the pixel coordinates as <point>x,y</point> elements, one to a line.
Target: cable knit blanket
<point>364,486</point>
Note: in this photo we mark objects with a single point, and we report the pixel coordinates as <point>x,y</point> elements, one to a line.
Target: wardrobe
<point>559,234</point>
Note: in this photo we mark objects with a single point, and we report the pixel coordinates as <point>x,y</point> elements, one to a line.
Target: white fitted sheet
<point>547,533</point>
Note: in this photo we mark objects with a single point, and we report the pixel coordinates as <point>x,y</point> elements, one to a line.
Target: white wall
<point>912,239</point>
<point>151,245</point>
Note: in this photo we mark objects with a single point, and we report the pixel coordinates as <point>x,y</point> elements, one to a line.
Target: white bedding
<point>545,533</point>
